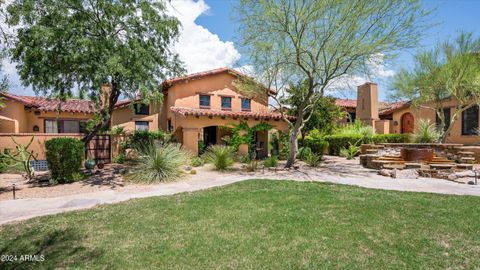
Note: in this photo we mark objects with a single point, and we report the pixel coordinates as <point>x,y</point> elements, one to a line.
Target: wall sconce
<point>36,128</point>
<point>395,123</point>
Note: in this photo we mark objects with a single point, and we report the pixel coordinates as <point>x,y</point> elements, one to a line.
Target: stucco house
<point>401,117</point>
<point>195,107</point>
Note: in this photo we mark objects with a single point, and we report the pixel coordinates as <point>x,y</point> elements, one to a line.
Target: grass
<point>259,224</point>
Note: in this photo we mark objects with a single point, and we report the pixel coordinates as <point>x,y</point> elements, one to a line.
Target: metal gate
<point>99,149</point>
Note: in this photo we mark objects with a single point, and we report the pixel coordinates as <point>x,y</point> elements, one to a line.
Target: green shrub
<point>350,152</point>
<point>252,166</point>
<point>4,163</point>
<point>313,160</point>
<point>304,152</point>
<point>270,162</point>
<point>336,142</point>
<point>426,132</point>
<point>64,158</point>
<point>244,159</point>
<point>284,145</point>
<point>159,162</point>
<point>120,158</point>
<point>196,161</point>
<point>145,138</point>
<point>391,138</point>
<point>221,156</point>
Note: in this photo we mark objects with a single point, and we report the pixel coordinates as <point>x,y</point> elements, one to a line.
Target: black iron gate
<point>99,149</point>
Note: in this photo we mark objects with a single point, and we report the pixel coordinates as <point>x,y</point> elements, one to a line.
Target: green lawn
<point>259,224</point>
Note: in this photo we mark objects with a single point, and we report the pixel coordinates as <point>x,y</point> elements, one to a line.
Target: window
<point>205,101</point>
<point>141,109</point>
<point>169,125</point>
<point>246,104</point>
<point>470,121</point>
<point>51,126</point>
<point>141,125</point>
<point>226,103</point>
<point>446,117</point>
<point>65,126</point>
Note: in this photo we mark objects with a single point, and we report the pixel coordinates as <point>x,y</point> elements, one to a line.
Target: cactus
<point>23,156</point>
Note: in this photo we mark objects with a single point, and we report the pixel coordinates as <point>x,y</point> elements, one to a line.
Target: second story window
<point>141,109</point>
<point>226,103</point>
<point>204,101</point>
<point>246,102</point>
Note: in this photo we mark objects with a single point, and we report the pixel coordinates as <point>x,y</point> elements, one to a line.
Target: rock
<point>452,176</point>
<point>471,183</point>
<point>468,173</point>
<point>405,174</point>
<point>188,168</point>
<point>385,172</point>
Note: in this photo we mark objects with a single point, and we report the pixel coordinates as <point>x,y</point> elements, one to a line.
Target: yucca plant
<point>313,160</point>
<point>350,152</point>
<point>426,132</point>
<point>222,157</point>
<point>159,162</point>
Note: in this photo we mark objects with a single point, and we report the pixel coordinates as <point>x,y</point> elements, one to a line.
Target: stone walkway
<point>333,169</point>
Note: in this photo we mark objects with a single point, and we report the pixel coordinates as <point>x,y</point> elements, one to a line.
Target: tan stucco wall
<point>125,117</point>
<point>424,112</point>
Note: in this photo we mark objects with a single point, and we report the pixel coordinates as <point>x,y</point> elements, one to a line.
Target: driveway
<point>333,170</point>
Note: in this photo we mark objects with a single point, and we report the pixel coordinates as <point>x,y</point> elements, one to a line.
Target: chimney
<point>367,103</point>
<point>105,91</point>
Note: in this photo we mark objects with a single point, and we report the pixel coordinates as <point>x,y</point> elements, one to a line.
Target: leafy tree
<point>65,45</point>
<point>320,42</point>
<point>450,71</point>
<point>323,116</point>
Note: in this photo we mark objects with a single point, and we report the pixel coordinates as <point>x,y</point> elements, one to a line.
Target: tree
<point>322,116</point>
<point>449,71</point>
<point>320,42</point>
<point>64,45</point>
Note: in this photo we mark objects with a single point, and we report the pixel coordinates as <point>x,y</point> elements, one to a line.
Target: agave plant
<point>426,132</point>
<point>350,152</point>
<point>159,162</point>
<point>222,157</point>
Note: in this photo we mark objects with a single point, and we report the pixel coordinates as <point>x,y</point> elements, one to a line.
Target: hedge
<point>64,158</point>
<point>141,138</point>
<point>337,141</point>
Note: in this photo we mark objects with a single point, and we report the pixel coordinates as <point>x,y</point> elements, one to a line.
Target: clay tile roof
<point>347,103</point>
<point>47,104</point>
<point>209,112</point>
<point>389,108</point>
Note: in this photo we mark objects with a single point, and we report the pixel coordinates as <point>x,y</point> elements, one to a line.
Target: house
<point>401,117</point>
<point>194,110</point>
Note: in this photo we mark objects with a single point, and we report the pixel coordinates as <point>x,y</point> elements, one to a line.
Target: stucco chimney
<point>367,103</point>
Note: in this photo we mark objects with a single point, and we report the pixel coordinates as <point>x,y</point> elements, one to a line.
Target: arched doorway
<point>407,123</point>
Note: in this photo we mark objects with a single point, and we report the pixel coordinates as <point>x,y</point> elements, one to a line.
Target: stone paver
<point>333,169</point>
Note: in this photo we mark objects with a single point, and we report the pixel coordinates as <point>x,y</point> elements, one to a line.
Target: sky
<point>208,37</point>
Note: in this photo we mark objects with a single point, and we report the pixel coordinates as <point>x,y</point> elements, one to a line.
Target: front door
<point>210,135</point>
<point>407,123</point>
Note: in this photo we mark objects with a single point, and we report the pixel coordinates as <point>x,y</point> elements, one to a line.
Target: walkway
<point>333,170</point>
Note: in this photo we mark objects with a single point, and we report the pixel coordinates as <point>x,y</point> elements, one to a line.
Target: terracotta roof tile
<point>47,104</point>
<point>346,103</point>
<point>384,107</point>
<point>210,112</point>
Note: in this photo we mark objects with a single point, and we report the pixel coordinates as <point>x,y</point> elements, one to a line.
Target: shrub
<point>270,162</point>
<point>313,160</point>
<point>120,158</point>
<point>222,157</point>
<point>426,132</point>
<point>244,159</point>
<point>391,138</point>
<point>143,139</point>
<point>284,145</point>
<point>64,158</point>
<point>304,152</point>
<point>196,161</point>
<point>336,142</point>
<point>159,162</point>
<point>350,152</point>
<point>316,141</point>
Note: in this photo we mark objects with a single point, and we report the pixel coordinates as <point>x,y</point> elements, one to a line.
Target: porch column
<point>190,139</point>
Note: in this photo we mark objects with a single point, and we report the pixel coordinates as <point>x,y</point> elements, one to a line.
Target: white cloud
<point>199,48</point>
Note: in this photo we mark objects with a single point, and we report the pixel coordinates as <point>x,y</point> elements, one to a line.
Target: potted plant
<point>89,163</point>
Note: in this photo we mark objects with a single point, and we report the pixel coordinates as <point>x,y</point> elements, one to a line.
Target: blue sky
<point>450,17</point>
<point>208,34</point>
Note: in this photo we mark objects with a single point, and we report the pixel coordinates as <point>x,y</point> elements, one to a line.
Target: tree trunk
<point>292,155</point>
<point>105,114</point>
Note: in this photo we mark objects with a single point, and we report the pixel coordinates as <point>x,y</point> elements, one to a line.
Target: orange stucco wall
<point>125,117</point>
<point>425,112</point>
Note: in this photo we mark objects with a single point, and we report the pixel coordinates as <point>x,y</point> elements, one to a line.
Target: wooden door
<point>407,123</point>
